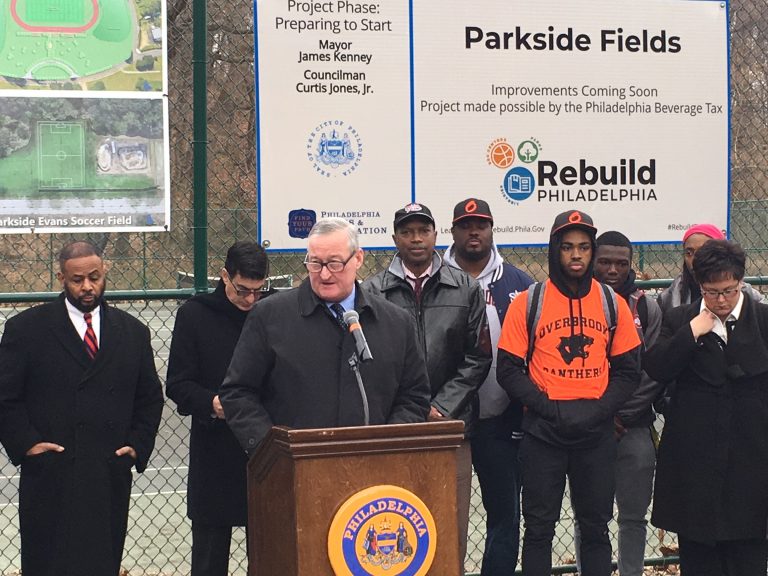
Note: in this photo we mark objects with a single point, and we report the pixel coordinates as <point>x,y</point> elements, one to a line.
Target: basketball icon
<point>502,155</point>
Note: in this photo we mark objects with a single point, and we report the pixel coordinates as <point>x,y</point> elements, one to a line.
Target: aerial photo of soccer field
<point>57,40</point>
<point>61,154</point>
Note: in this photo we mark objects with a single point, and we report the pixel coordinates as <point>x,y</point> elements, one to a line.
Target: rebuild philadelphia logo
<point>527,175</point>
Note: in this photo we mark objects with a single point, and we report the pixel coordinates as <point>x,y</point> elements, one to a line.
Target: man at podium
<point>293,364</point>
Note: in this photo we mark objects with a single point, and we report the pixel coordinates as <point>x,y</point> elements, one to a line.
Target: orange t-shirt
<point>569,360</point>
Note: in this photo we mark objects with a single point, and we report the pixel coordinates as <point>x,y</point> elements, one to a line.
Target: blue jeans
<point>494,457</point>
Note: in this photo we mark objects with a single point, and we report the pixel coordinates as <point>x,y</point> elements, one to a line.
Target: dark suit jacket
<point>73,505</point>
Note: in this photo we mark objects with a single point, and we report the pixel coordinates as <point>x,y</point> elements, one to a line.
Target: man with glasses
<point>205,334</point>
<point>712,470</point>
<point>448,309</point>
<point>291,366</point>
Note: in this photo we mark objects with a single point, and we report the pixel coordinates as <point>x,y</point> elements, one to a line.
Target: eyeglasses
<point>243,292</point>
<point>715,294</point>
<point>334,266</point>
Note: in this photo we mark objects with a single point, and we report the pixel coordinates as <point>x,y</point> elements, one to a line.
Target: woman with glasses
<point>712,471</point>
<point>684,288</point>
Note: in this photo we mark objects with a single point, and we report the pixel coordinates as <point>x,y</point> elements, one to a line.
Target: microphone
<point>352,318</point>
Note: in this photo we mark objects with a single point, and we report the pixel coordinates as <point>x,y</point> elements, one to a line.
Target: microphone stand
<point>354,363</point>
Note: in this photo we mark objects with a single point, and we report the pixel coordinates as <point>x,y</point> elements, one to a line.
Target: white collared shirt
<point>719,327</point>
<point>78,320</point>
<point>410,277</point>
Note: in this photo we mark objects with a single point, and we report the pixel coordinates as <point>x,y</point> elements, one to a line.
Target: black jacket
<point>712,469</point>
<point>73,505</point>
<point>204,337</point>
<point>451,328</point>
<point>291,368</point>
<point>638,410</point>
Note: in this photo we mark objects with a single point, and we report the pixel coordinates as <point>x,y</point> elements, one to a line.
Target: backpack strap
<point>533,314</point>
<point>610,309</point>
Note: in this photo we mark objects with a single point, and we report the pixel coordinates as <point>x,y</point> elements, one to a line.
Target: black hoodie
<point>569,422</point>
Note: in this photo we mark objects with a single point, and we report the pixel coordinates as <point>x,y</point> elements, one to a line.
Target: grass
<point>127,82</point>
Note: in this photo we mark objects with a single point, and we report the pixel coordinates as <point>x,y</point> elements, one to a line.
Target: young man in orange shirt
<point>583,365</point>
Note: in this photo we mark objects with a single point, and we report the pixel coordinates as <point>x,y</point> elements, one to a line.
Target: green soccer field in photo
<point>61,154</point>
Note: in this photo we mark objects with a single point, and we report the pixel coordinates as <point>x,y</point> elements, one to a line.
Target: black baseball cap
<point>573,219</point>
<point>412,210</point>
<point>472,208</point>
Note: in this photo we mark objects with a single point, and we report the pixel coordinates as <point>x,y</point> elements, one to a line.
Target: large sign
<point>83,116</point>
<point>616,107</point>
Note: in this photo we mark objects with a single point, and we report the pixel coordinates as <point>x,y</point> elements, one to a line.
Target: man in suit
<point>80,405</point>
<point>291,364</point>
<point>205,334</point>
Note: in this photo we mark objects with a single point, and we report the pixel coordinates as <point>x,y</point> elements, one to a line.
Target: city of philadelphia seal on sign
<point>382,530</point>
<point>334,148</point>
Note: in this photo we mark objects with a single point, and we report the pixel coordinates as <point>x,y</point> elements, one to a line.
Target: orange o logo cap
<point>575,217</point>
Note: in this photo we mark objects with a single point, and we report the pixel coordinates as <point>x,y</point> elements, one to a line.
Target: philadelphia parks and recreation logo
<point>382,531</point>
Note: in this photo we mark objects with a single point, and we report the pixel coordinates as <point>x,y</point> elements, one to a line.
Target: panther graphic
<point>571,347</point>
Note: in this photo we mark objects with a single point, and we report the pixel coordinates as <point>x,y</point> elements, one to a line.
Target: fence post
<point>200,142</point>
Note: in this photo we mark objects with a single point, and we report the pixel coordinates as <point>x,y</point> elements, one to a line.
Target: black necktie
<point>338,312</point>
<point>729,326</point>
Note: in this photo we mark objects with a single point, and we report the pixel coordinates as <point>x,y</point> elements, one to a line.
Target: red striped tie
<point>91,345</point>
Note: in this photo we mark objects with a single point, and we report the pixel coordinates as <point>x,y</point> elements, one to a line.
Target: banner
<point>83,116</point>
<point>616,107</point>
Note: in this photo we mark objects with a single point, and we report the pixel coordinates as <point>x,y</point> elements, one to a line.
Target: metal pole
<point>200,142</point>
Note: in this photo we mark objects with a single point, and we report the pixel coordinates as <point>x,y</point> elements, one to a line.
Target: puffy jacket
<point>451,328</point>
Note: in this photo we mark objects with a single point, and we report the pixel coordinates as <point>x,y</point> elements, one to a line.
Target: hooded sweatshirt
<point>570,388</point>
<point>497,280</point>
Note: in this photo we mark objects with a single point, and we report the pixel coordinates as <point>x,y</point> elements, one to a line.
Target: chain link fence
<point>159,537</point>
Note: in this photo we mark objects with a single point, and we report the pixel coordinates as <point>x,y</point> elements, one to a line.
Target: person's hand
<point>126,450</point>
<point>218,410</point>
<point>435,414</point>
<point>618,428</point>
<point>703,323</point>
<point>41,447</point>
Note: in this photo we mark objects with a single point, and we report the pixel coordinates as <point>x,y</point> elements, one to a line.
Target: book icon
<point>519,184</point>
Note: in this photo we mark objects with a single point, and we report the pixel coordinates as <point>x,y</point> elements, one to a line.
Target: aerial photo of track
<point>56,40</point>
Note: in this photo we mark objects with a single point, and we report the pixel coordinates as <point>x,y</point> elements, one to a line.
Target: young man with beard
<point>446,305</point>
<point>80,405</point>
<point>497,432</point>
<point>207,329</point>
<point>578,373</point>
<point>636,457</point>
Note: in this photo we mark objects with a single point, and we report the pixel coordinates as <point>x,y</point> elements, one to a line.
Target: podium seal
<point>382,530</point>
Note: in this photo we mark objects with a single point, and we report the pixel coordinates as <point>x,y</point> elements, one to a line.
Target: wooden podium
<point>298,479</point>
